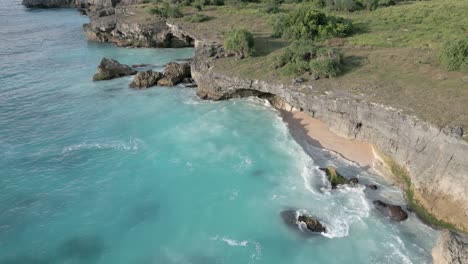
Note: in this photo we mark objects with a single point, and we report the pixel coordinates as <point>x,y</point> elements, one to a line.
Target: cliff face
<point>435,158</point>
<point>130,26</point>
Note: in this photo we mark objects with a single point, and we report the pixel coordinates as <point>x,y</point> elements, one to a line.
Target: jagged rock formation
<point>145,79</point>
<point>451,248</point>
<point>394,212</point>
<point>175,73</point>
<point>119,26</point>
<point>110,69</point>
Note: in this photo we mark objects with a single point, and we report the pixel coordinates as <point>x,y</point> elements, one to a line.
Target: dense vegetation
<point>305,57</point>
<point>454,55</point>
<point>307,23</point>
<point>240,42</point>
<point>167,11</point>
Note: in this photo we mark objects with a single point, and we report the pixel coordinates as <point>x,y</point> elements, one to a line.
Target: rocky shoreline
<point>428,161</point>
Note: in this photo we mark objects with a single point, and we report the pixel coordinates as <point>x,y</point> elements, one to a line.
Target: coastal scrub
<point>240,42</point>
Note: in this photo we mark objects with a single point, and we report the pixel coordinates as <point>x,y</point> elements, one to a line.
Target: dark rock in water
<point>393,211</point>
<point>291,219</point>
<point>48,3</point>
<point>175,73</point>
<point>372,186</point>
<point>188,80</point>
<point>145,79</point>
<point>312,224</point>
<point>82,248</point>
<point>110,69</point>
<point>353,181</point>
<point>337,179</point>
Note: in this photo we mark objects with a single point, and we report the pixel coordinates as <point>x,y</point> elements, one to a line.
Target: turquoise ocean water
<point>99,173</point>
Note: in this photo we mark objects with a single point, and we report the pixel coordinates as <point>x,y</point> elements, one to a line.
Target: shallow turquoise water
<point>99,173</point>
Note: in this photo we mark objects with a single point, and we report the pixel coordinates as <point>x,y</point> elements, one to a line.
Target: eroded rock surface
<point>291,218</point>
<point>110,69</point>
<point>451,248</point>
<point>145,79</point>
<point>175,73</point>
<point>337,179</point>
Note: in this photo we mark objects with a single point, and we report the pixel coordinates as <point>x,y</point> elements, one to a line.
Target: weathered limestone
<point>145,79</point>
<point>451,248</point>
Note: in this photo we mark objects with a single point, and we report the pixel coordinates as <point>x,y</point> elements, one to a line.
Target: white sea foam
<point>131,145</point>
<point>230,241</point>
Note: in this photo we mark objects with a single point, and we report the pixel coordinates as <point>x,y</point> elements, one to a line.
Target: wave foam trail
<point>131,145</point>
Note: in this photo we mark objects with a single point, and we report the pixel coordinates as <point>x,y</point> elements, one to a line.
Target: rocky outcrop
<point>451,248</point>
<point>394,212</point>
<point>145,79</point>
<point>292,219</point>
<point>311,223</point>
<point>119,26</point>
<point>110,69</point>
<point>434,157</point>
<point>175,73</point>
<point>337,179</point>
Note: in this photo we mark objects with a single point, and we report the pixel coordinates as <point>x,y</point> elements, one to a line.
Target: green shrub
<point>167,11</point>
<point>454,55</point>
<point>343,5</point>
<point>305,57</point>
<point>272,7</point>
<point>308,23</point>
<point>240,42</point>
<point>198,18</point>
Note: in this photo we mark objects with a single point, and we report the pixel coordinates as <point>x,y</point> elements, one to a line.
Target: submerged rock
<point>393,211</point>
<point>175,73</point>
<point>337,179</point>
<point>145,79</point>
<point>110,69</point>
<point>451,248</point>
<point>372,186</point>
<point>291,218</point>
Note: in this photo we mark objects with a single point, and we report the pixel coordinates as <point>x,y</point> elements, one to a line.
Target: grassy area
<point>418,24</point>
<point>391,59</point>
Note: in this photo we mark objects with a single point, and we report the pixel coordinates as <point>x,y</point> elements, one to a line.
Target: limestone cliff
<point>436,159</point>
<point>451,248</point>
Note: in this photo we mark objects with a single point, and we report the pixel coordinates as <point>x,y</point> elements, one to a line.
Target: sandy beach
<point>357,151</point>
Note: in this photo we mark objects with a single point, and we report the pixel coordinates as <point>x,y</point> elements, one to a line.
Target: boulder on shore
<point>110,69</point>
<point>291,219</point>
<point>175,73</point>
<point>145,79</point>
<point>395,212</point>
<point>451,248</point>
<point>337,179</point>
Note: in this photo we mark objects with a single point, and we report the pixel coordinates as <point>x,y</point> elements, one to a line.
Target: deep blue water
<point>95,172</point>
